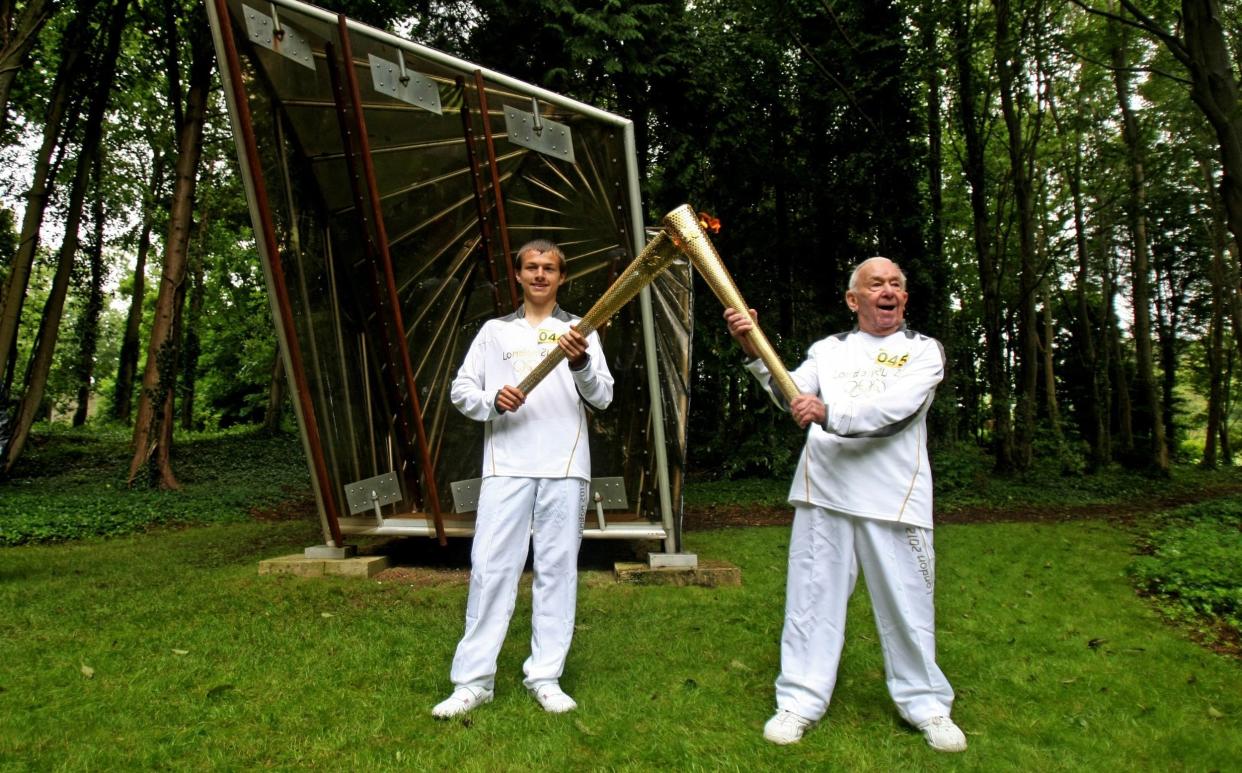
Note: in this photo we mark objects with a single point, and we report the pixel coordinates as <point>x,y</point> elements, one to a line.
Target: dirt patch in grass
<point>299,506</point>
<point>423,576</point>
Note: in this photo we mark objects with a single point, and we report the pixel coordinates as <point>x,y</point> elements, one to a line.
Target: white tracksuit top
<point>547,436</point>
<point>869,458</point>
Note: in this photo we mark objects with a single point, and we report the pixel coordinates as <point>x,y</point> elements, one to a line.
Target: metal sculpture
<point>386,181</point>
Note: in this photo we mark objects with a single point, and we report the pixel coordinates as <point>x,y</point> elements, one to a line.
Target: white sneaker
<point>943,736</point>
<point>553,698</point>
<point>786,727</point>
<point>462,700</point>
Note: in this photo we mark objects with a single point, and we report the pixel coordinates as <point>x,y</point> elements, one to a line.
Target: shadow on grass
<point>421,561</point>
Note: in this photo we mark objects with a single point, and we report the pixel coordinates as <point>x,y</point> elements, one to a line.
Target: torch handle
<point>654,258</point>
<point>693,240</point>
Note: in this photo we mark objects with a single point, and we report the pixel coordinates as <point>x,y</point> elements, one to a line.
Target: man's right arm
<point>470,394</point>
<point>806,377</point>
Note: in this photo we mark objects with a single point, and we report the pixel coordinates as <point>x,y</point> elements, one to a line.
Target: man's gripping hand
<point>807,409</point>
<point>739,325</point>
<point>509,399</point>
<point>574,345</point>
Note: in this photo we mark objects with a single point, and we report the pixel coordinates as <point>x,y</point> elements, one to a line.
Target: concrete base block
<point>330,551</point>
<point>707,574</point>
<point>672,560</point>
<point>303,566</point>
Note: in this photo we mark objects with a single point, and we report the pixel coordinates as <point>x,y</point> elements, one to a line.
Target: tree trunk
<point>1226,450</point>
<point>1012,94</point>
<point>1171,295</point>
<point>1216,93</point>
<point>1050,379</point>
<point>1215,356</point>
<point>275,397</point>
<point>66,97</point>
<point>1204,52</point>
<point>88,328</point>
<point>128,365</point>
<point>41,357</point>
<point>947,419</point>
<point>192,347</point>
<point>975,169</point>
<point>1121,382</point>
<point>152,424</point>
<point>1217,385</point>
<point>19,38</point>
<point>1095,423</point>
<point>1136,205</point>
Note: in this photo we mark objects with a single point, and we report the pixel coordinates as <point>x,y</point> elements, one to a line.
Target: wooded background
<point>1062,181</point>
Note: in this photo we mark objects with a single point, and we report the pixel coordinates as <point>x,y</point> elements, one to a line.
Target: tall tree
<point>49,327</point>
<point>274,412</point>
<point>18,34</point>
<point>88,323</point>
<point>1218,386</point>
<point>122,401</point>
<point>192,346</point>
<point>1023,137</point>
<point>154,418</point>
<point>1094,423</point>
<point>1116,359</point>
<point>66,98</point>
<point>973,117</point>
<point>1196,38</point>
<point>1140,274</point>
<point>946,416</point>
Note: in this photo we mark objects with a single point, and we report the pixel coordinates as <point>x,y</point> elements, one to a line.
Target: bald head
<point>878,259</point>
<point>878,296</point>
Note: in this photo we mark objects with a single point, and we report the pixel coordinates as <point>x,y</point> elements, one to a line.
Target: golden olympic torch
<point>654,258</point>
<point>691,237</point>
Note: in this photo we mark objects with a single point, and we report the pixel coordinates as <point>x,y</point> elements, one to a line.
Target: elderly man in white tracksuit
<point>862,495</point>
<point>536,472</point>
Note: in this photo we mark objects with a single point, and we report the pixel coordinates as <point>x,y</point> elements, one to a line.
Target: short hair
<point>858,270</point>
<point>540,246</point>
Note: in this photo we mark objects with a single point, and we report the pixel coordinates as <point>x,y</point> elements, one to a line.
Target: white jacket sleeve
<point>470,393</point>
<point>594,381</point>
<point>805,376</point>
<point>900,403</point>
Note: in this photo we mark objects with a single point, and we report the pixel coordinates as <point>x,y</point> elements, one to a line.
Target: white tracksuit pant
<point>509,509</point>
<point>898,561</point>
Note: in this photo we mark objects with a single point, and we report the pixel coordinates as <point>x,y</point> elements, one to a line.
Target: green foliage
<point>1193,563</point>
<point>71,483</point>
<point>763,492</point>
<point>964,478</point>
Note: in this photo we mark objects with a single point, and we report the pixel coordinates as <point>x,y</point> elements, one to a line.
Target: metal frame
<point>333,524</point>
<point>282,313</point>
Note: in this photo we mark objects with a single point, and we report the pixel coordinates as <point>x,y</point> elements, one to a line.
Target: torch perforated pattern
<point>654,258</point>
<point>686,230</point>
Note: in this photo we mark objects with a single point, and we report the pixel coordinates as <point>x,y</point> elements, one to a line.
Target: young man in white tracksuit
<point>862,495</point>
<point>536,472</point>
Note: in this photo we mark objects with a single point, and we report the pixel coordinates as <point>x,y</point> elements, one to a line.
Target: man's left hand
<point>574,344</point>
<point>807,409</point>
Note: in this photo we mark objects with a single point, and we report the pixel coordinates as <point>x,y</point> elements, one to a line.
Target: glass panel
<point>448,280</point>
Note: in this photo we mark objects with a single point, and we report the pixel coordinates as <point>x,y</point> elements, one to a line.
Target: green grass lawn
<point>196,661</point>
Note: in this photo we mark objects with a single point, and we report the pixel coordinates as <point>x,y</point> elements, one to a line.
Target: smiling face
<point>878,297</point>
<point>541,275</point>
